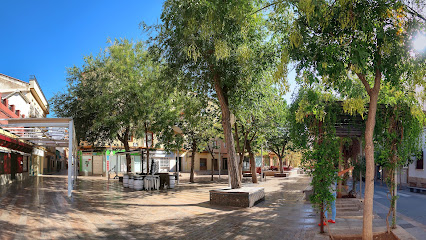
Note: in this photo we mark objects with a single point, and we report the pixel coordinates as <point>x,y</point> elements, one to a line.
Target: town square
<point>213,119</point>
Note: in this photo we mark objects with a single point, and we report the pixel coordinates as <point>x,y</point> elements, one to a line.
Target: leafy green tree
<point>398,131</point>
<point>220,46</point>
<point>106,94</point>
<point>312,129</point>
<point>198,124</point>
<point>253,109</point>
<point>331,40</point>
<point>277,134</point>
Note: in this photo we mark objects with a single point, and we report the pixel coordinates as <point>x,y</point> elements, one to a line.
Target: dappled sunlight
<point>102,209</point>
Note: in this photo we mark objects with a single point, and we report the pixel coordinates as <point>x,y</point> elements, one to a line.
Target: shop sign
<point>38,152</point>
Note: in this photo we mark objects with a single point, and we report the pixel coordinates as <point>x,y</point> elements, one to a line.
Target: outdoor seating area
<point>140,181</point>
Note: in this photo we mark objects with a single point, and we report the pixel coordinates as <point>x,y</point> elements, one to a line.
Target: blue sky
<point>43,38</point>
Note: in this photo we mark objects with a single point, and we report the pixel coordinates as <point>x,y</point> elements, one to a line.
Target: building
<point>416,176</point>
<point>26,97</point>
<point>99,160</point>
<point>20,99</point>
<point>203,162</point>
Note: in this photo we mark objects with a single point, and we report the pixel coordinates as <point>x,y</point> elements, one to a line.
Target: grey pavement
<point>411,209</point>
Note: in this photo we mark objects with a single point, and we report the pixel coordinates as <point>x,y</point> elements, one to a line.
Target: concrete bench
<point>309,190</point>
<point>241,197</point>
<point>417,189</point>
<point>280,174</point>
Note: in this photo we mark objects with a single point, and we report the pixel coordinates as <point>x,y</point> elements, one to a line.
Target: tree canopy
<point>111,93</point>
<point>215,48</point>
<point>331,41</point>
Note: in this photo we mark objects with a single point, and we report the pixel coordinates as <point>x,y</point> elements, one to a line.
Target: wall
<point>20,104</point>
<point>186,164</point>
<point>418,176</point>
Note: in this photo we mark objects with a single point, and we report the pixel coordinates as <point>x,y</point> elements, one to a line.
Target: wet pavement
<point>40,209</point>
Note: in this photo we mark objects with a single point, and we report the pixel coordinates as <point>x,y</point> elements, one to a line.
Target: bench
<point>280,175</point>
<point>309,190</point>
<point>241,197</point>
<point>416,189</point>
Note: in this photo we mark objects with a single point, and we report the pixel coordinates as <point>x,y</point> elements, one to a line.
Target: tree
<point>398,132</point>
<point>312,129</point>
<point>101,94</point>
<point>108,94</point>
<point>277,134</point>
<point>220,46</point>
<point>331,40</point>
<point>197,122</point>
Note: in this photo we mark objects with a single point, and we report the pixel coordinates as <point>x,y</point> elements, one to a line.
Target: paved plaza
<point>40,209</point>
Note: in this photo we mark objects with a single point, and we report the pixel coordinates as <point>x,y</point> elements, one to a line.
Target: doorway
<point>203,164</point>
<point>97,165</point>
<point>13,166</point>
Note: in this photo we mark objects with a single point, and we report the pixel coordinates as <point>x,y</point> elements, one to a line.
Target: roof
<point>4,75</point>
<point>50,132</point>
<point>20,93</point>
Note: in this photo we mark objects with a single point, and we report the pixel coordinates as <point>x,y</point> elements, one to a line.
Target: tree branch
<point>413,12</point>
<point>378,74</point>
<point>364,81</point>
<point>265,7</point>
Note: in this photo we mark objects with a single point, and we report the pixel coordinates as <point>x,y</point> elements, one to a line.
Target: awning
<point>46,132</point>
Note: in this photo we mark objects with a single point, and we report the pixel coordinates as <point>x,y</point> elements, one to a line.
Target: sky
<point>45,37</point>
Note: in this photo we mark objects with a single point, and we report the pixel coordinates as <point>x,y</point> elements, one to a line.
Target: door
<point>13,166</point>
<point>215,164</point>
<point>203,164</point>
<point>225,163</point>
<point>97,165</point>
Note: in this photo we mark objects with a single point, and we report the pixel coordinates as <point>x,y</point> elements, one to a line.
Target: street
<point>411,209</point>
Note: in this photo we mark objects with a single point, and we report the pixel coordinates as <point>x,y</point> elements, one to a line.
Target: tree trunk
<point>125,141</point>
<point>128,158</point>
<point>212,169</point>
<point>281,163</point>
<point>194,150</point>
<point>227,132</point>
<point>241,150</point>
<point>240,166</point>
<point>367,230</point>
<point>147,149</point>
<point>252,164</point>
<point>322,218</point>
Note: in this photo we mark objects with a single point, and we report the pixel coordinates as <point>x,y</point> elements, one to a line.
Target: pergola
<point>48,132</point>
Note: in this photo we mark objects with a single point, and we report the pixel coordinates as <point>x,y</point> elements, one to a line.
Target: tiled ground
<point>40,209</point>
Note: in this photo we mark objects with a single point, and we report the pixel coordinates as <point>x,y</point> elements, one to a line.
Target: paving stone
<point>40,209</point>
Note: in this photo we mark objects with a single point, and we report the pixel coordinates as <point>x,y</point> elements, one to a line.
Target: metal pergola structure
<point>48,132</point>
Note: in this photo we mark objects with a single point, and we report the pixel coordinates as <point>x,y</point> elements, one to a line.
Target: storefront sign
<point>38,152</point>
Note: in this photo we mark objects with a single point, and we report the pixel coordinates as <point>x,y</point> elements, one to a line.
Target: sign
<point>107,165</point>
<point>38,152</point>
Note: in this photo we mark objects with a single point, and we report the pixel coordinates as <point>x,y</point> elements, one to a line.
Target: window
<point>419,162</point>
<point>203,163</point>
<point>130,137</point>
<point>164,163</point>
<point>225,163</point>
